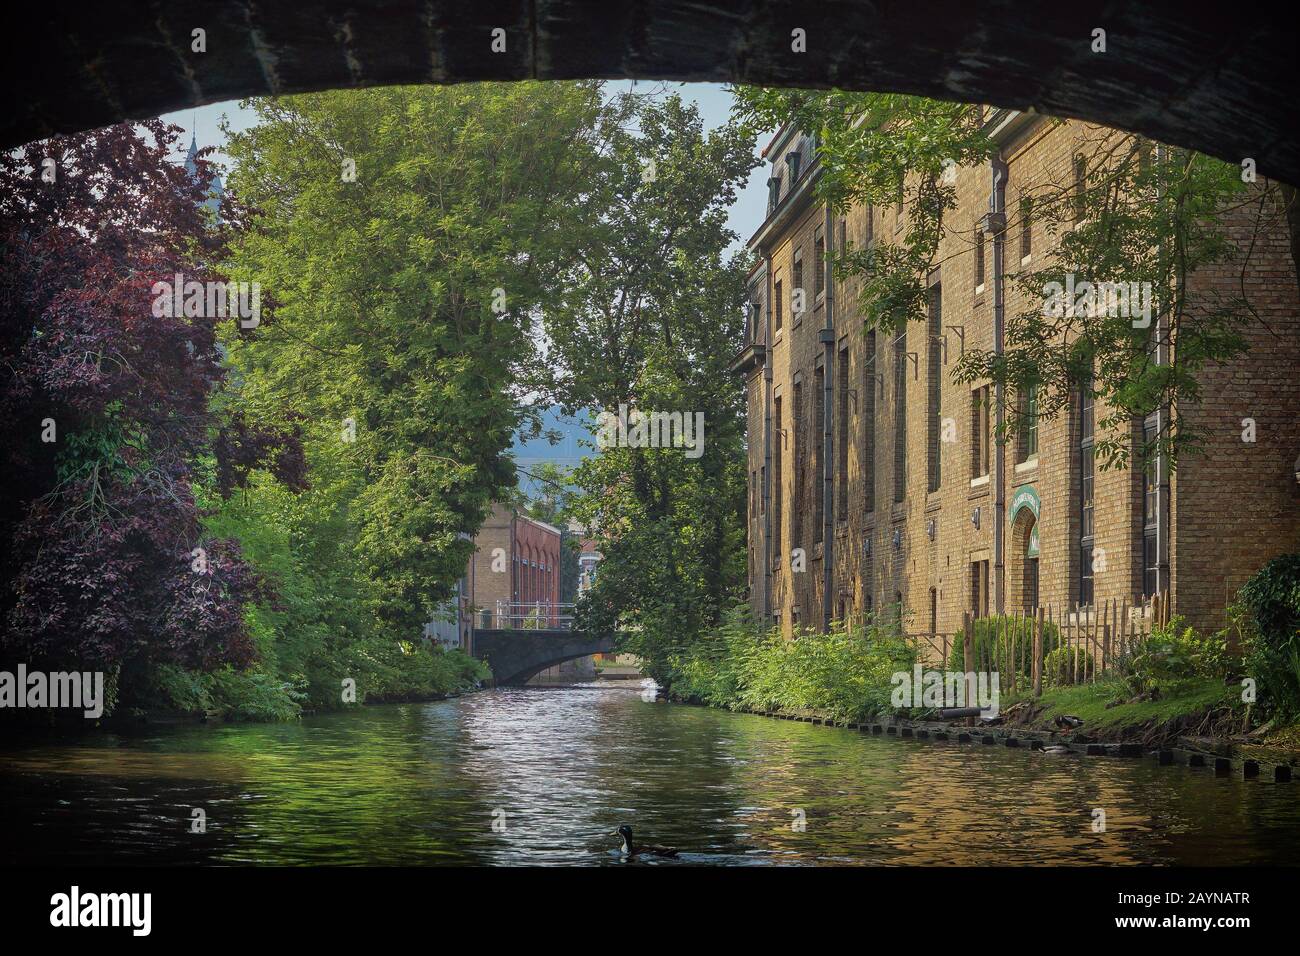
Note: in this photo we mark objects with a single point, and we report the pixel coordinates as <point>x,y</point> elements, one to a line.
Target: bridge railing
<point>533,616</point>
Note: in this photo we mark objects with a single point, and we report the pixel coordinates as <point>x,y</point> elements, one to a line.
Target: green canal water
<point>545,776</point>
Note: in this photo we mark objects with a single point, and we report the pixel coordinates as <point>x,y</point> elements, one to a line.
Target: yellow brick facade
<point>894,539</point>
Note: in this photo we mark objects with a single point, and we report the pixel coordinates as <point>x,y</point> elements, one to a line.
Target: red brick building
<point>515,570</point>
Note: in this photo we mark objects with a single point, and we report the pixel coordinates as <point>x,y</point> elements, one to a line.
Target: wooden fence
<point>1095,638</point>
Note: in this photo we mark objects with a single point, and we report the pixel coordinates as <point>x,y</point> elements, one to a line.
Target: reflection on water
<point>561,769</point>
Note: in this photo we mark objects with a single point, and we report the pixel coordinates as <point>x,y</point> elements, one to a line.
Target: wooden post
<point>1105,646</point>
<point>1124,624</point>
<point>1096,641</point>
<point>1114,624</point>
<point>966,641</point>
<point>1015,650</point>
<point>996,665</point>
<point>1038,654</point>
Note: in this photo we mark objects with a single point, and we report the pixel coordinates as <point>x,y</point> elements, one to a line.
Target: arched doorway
<point>1023,571</point>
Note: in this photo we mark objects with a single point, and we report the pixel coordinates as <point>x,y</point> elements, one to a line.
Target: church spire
<point>215,190</point>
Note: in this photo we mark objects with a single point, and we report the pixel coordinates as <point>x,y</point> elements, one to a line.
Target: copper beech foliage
<point>104,559</point>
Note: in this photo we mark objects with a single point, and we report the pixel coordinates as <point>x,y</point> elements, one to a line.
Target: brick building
<point>849,462</point>
<point>515,568</point>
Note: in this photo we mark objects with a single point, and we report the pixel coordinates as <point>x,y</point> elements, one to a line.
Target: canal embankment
<point>1222,756</point>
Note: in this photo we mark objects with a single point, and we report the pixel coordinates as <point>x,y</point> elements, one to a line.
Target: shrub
<point>411,670</point>
<point>845,672</point>
<point>232,694</point>
<point>253,695</point>
<point>1269,615</point>
<point>1062,664</point>
<point>994,637</point>
<point>1172,653</point>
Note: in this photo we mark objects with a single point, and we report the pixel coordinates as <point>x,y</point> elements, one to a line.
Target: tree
<point>653,311</point>
<point>407,237</point>
<point>104,406</point>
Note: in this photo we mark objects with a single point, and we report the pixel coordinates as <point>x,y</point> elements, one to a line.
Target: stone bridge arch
<point>517,655</point>
<point>1216,78</point>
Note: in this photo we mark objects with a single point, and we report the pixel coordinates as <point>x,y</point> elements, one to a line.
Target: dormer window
<point>793,159</point>
<point>773,192</point>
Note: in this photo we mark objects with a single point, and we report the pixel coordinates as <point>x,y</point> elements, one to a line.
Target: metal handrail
<point>530,616</point>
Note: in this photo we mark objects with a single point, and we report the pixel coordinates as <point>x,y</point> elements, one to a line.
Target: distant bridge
<point>515,655</point>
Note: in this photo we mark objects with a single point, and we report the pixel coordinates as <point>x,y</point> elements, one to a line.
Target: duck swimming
<point>631,849</point>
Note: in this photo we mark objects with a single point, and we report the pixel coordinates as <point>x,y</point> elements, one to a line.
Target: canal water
<point>533,776</point>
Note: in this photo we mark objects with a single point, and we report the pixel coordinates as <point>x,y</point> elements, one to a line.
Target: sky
<point>713,100</point>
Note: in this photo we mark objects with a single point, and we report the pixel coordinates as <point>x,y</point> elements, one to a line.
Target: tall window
<point>1080,197</point>
<point>869,422</point>
<point>793,159</point>
<point>870,231</point>
<point>981,430</point>
<point>818,430</point>
<point>778,476</point>
<point>1150,510</point>
<point>819,264</point>
<point>979,588</point>
<point>1144,156</point>
<point>934,382</point>
<point>753,493</point>
<point>842,435</point>
<point>979,256</point>
<point>799,503</point>
<point>797,308</point>
<point>1028,443</point>
<point>1085,493</point>
<point>1026,226</point>
<point>900,416</point>
<point>780,305</point>
<point>868,578</point>
<point>762,483</point>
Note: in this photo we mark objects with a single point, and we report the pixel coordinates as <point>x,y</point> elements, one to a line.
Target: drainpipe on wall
<point>1164,567</point>
<point>828,423</point>
<point>514,570</point>
<point>997,226</point>
<point>767,442</point>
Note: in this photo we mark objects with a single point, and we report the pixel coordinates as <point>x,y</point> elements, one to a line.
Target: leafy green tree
<point>652,313</point>
<point>404,239</point>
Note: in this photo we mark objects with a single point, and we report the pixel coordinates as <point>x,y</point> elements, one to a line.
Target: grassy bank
<point>1177,683</point>
<point>1110,712</point>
